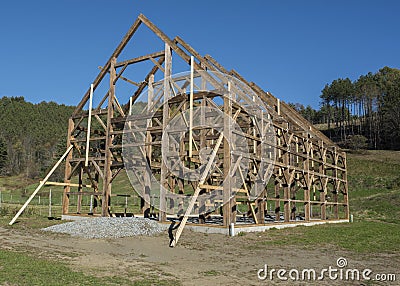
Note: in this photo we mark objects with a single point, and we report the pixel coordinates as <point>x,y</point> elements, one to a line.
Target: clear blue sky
<point>50,50</point>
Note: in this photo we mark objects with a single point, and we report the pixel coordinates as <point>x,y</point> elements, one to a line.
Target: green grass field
<point>22,269</point>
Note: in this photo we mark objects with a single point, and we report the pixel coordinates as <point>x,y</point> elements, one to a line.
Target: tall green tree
<point>368,107</point>
<point>389,106</point>
<point>30,133</point>
<point>3,155</point>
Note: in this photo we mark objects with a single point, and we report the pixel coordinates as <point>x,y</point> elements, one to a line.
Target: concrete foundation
<point>238,228</point>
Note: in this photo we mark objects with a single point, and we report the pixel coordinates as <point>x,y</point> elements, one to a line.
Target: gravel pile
<point>108,227</point>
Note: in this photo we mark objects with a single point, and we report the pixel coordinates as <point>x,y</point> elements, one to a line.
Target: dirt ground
<point>199,259</point>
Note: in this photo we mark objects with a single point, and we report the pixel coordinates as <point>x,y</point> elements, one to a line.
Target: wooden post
<point>307,203</point>
<point>323,205</point>
<point>41,185</point>
<point>91,205</point>
<point>191,106</point>
<point>203,144</point>
<point>108,155</point>
<point>229,207</point>
<point>277,188</point>
<point>145,200</point>
<point>278,177</point>
<point>68,169</point>
<point>286,187</point>
<point>278,106</point>
<point>167,91</point>
<point>324,187</point>
<point>286,208</point>
<point>336,187</point>
<point>307,189</point>
<point>50,215</point>
<point>80,184</point>
<point>260,203</point>
<point>346,189</point>
<point>89,126</point>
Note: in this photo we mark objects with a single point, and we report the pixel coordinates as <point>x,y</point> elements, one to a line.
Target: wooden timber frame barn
<point>308,177</point>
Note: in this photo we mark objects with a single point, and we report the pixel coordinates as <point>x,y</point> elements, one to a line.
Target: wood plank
<point>210,187</point>
<point>140,59</point>
<point>191,106</point>
<point>89,125</point>
<point>65,184</point>
<point>41,185</point>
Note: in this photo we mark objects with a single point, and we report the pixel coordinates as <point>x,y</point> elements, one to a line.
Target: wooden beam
<point>97,167</point>
<point>156,63</point>
<point>139,59</point>
<point>346,188</point>
<point>101,122</point>
<point>41,184</point>
<point>164,168</point>
<point>89,125</point>
<point>229,207</point>
<point>191,106</point>
<point>106,67</point>
<point>79,199</point>
<point>108,161</point>
<point>261,204</point>
<point>68,168</point>
<point>307,190</point>
<point>174,46</point>
<point>197,191</point>
<point>65,184</point>
<point>145,200</point>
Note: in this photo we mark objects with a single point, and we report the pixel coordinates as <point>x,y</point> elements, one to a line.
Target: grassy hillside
<point>374,184</point>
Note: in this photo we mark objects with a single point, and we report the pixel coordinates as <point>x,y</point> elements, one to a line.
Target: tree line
<point>364,112</point>
<point>31,135</point>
